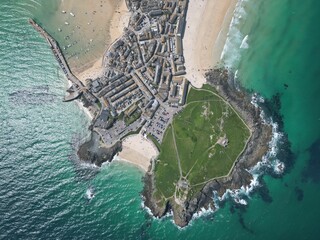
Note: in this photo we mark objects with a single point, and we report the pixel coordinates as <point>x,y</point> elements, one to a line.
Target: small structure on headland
<point>223,141</point>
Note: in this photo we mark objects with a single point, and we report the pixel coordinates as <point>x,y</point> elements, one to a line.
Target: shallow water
<point>43,187</point>
<point>82,37</point>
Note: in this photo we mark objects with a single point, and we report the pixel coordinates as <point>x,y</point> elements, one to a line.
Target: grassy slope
<point>197,129</point>
<point>155,142</point>
<point>167,171</point>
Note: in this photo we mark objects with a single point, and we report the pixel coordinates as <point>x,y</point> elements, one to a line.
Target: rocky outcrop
<point>92,151</point>
<point>223,81</point>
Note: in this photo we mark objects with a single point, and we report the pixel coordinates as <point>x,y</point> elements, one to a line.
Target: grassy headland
<point>202,144</point>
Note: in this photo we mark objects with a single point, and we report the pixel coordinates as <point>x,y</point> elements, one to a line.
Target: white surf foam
<point>241,196</point>
<point>255,100</point>
<point>268,162</point>
<point>90,193</point>
<point>88,165</point>
<point>203,212</point>
<point>148,210</point>
<point>244,43</point>
<point>231,53</point>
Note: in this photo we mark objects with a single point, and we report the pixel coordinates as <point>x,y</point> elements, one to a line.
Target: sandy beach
<point>138,150</point>
<point>205,35</point>
<point>93,72</point>
<point>119,20</point>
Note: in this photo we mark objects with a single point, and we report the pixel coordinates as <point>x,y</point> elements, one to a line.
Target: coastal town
<point>190,141</point>
<point>143,84</point>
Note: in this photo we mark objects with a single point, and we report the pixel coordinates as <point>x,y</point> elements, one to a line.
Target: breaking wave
<point>269,163</point>
<point>244,43</point>
<point>236,41</point>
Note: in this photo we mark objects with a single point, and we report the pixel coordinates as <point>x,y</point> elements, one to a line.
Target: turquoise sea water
<point>43,187</point>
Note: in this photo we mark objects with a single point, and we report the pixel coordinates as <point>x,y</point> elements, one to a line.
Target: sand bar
<point>205,35</point>
<point>138,150</point>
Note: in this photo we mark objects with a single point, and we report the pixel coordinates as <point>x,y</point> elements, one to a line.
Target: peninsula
<point>202,139</point>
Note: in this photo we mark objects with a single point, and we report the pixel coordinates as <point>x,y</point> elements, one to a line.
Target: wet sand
<point>83,30</point>
<point>118,21</point>
<point>92,72</point>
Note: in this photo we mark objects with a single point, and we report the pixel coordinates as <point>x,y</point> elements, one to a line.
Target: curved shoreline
<point>119,20</point>
<point>139,151</point>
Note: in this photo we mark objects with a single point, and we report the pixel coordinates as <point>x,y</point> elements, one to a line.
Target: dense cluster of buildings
<point>142,85</point>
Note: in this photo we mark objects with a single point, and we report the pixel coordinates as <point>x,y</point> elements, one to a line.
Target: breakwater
<point>77,86</point>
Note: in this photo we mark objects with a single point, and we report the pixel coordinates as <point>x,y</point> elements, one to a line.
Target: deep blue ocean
<point>274,48</point>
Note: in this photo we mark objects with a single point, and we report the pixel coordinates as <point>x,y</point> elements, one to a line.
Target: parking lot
<point>159,123</point>
<point>118,130</point>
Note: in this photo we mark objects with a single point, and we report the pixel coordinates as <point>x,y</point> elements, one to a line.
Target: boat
<point>66,23</point>
<point>72,14</point>
<point>63,11</point>
<point>59,29</point>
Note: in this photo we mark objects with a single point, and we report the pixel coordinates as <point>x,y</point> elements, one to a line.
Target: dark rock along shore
<point>223,81</point>
<point>92,151</point>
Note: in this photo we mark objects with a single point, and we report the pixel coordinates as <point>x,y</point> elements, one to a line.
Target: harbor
<point>77,86</point>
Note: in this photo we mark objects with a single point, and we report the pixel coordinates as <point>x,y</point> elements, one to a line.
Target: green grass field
<point>193,138</point>
<point>167,170</point>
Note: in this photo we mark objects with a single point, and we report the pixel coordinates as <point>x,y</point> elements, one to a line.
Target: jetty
<point>77,86</point>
